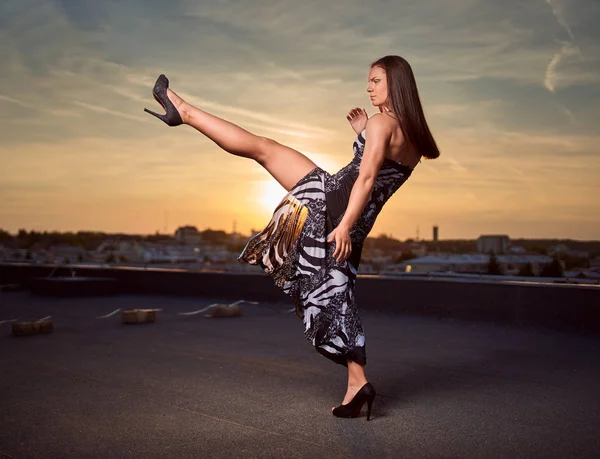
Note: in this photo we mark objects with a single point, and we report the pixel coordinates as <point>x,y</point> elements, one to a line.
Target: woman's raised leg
<point>285,164</point>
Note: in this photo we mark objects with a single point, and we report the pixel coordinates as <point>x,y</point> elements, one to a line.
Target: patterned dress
<point>294,251</point>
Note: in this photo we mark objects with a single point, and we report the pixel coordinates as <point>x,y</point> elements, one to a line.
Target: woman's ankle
<point>181,105</point>
<point>357,383</point>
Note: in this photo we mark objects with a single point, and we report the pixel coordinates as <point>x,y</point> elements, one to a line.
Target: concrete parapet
<point>573,307</point>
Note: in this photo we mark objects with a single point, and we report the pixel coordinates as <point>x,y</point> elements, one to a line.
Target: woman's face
<point>377,89</point>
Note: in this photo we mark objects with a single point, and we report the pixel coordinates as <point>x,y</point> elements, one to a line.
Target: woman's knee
<point>265,148</point>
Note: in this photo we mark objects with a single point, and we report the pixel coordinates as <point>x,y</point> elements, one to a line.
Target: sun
<point>270,193</point>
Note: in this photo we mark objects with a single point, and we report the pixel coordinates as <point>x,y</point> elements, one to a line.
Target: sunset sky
<point>511,91</point>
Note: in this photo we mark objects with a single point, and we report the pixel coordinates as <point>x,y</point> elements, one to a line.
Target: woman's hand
<point>343,243</point>
<point>358,119</point>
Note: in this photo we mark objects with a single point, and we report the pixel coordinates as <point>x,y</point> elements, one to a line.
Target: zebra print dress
<point>294,251</point>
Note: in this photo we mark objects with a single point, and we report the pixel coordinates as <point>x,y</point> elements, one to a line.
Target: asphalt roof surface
<point>252,386</point>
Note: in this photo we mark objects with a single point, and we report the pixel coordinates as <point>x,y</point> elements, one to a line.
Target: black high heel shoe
<point>172,117</point>
<point>352,409</point>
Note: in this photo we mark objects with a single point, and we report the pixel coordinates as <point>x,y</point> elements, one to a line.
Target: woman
<point>312,245</point>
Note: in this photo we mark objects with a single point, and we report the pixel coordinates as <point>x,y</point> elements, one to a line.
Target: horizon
<point>371,235</point>
<point>510,92</point>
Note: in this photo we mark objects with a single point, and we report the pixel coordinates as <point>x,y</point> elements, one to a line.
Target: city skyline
<point>510,91</point>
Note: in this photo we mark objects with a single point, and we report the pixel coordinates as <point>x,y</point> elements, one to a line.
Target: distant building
<point>120,250</point>
<point>188,235</point>
<point>473,263</point>
<point>562,249</point>
<point>216,253</point>
<point>497,244</point>
<point>381,256</point>
<point>65,253</point>
<point>435,234</point>
<point>235,237</point>
<point>418,249</point>
<point>157,253</point>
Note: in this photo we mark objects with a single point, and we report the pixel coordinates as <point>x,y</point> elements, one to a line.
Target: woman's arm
<point>376,142</point>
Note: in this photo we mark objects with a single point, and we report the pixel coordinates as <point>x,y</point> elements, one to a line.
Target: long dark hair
<point>404,101</point>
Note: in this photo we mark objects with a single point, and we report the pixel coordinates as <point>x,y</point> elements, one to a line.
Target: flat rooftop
<point>253,386</point>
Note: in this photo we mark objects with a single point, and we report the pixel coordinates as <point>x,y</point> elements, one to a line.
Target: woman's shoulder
<point>377,118</point>
<point>378,125</point>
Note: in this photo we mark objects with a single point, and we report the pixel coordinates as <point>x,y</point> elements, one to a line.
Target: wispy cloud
<point>506,90</point>
<point>572,119</point>
<point>108,111</point>
<point>553,77</point>
<point>12,100</point>
<point>272,122</point>
<point>569,50</point>
<point>35,107</point>
<point>557,7</point>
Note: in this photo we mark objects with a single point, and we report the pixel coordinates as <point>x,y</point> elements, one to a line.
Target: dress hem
<point>356,355</point>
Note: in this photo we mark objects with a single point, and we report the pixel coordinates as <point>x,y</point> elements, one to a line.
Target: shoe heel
<point>159,116</point>
<point>369,405</point>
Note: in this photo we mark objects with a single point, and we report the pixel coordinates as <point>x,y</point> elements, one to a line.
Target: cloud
<point>513,108</point>
<point>32,106</point>
<point>569,54</point>
<point>108,111</point>
<point>12,100</point>
<point>557,7</point>
<point>271,122</point>
<point>553,78</point>
<point>572,119</point>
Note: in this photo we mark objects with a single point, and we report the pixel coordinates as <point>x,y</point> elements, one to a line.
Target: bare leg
<point>285,164</point>
<point>356,379</point>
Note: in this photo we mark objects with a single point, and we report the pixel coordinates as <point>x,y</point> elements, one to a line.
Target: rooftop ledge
<point>555,303</point>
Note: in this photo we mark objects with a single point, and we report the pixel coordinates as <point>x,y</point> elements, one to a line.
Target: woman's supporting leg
<point>285,164</point>
<point>356,379</point>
